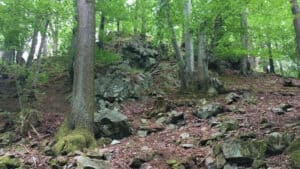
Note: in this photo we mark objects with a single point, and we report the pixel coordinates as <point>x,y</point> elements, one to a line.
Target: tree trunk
<point>101,31</point>
<point>245,66</point>
<point>38,64</point>
<point>296,13</point>
<point>271,62</point>
<point>33,47</point>
<point>83,103</point>
<point>19,59</point>
<point>203,79</point>
<point>143,26</point>
<point>136,9</point>
<point>118,27</point>
<point>281,69</point>
<point>189,47</point>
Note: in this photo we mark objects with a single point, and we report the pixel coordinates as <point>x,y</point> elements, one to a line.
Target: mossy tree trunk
<point>83,106</point>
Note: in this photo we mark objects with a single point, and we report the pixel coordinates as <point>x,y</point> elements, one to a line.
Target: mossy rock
<point>76,140</point>
<point>7,162</point>
<point>294,152</point>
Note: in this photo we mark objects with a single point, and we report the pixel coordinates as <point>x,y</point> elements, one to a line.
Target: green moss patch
<point>9,162</point>
<point>75,140</point>
<point>294,152</point>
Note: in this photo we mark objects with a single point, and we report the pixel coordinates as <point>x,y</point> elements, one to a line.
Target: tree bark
<point>189,48</point>
<point>203,80</point>
<point>245,66</point>
<point>101,31</point>
<point>19,59</point>
<point>296,13</point>
<point>33,47</point>
<point>83,103</point>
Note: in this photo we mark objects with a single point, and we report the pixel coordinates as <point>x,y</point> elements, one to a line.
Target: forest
<point>149,84</point>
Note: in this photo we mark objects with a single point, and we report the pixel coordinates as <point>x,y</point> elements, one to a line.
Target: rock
<point>117,84</point>
<point>187,146</point>
<point>231,98</point>
<point>277,142</point>
<point>210,163</point>
<point>212,92</point>
<point>294,152</point>
<point>282,109</point>
<point>7,162</point>
<point>88,163</point>
<point>209,110</point>
<point>111,124</point>
<point>230,124</point>
<point>278,110</point>
<point>62,160</point>
<point>114,142</point>
<point>142,133</point>
<point>139,53</point>
<point>161,120</point>
<point>136,163</point>
<point>288,82</point>
<point>243,152</point>
<point>175,117</point>
<point>257,164</point>
<point>184,135</point>
<point>229,166</point>
<point>220,161</point>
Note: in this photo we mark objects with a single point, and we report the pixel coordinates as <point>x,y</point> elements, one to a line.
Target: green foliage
<point>106,57</point>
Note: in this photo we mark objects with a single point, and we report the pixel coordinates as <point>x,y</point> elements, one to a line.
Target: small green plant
<point>106,57</point>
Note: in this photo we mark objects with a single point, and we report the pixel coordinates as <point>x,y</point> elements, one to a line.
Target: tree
<point>79,125</point>
<point>83,106</point>
<point>296,13</point>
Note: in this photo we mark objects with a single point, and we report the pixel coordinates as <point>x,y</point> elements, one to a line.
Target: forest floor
<point>183,143</point>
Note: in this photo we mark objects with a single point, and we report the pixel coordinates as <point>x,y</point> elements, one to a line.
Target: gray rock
<point>209,110</point>
<point>111,123</point>
<point>175,117</point>
<point>243,152</point>
<point>278,142</point>
<point>118,84</point>
<point>231,98</point>
<point>187,145</point>
<point>212,92</point>
<point>278,110</point>
<point>88,163</point>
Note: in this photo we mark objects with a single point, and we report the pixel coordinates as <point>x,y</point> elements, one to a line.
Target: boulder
<point>175,117</point>
<point>243,152</point>
<point>88,163</point>
<point>118,84</point>
<point>209,110</point>
<point>278,142</point>
<point>139,53</point>
<point>111,123</point>
<point>231,98</point>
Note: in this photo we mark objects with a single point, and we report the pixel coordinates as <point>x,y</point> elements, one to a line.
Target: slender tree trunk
<point>83,103</point>
<point>271,61</point>
<point>101,31</point>
<point>202,60</point>
<point>118,27</point>
<point>245,68</point>
<point>281,69</point>
<point>19,59</point>
<point>189,47</point>
<point>38,64</point>
<point>143,26</point>
<point>33,47</point>
<point>136,10</point>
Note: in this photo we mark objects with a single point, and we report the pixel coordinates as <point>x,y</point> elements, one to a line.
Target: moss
<point>75,140</point>
<point>294,151</point>
<point>9,162</point>
<point>63,130</point>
